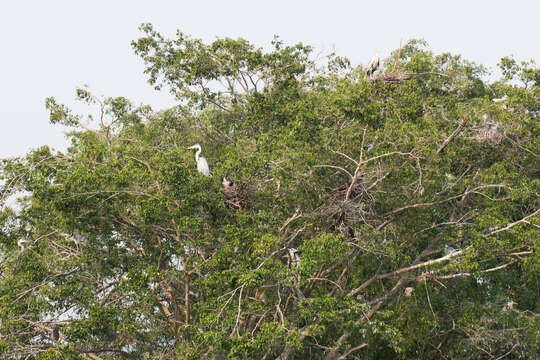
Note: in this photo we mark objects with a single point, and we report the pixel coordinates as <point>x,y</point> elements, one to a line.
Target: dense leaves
<point>393,217</point>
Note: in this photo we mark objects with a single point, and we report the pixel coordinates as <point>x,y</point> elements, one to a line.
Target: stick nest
<point>394,77</point>
<point>237,196</point>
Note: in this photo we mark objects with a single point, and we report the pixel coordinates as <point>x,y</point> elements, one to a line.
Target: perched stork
<point>202,165</point>
<point>373,64</point>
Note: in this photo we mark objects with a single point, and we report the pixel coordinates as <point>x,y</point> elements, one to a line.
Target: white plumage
<point>21,243</point>
<point>294,259</point>
<point>373,64</point>
<point>504,98</point>
<point>202,165</point>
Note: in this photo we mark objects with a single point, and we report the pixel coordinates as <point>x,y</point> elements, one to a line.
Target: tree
<point>393,217</point>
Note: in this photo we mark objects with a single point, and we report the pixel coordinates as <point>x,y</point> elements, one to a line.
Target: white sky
<point>51,47</point>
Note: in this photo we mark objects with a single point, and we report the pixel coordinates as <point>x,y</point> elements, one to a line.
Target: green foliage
<point>377,218</point>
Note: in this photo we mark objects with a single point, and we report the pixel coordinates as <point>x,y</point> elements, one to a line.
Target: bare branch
<point>359,163</point>
<point>386,155</point>
<point>295,216</point>
<point>473,191</point>
<point>335,167</point>
<point>239,312</point>
<point>406,270</point>
<point>452,276</point>
<point>452,136</point>
<point>509,226</point>
<point>351,350</point>
<point>345,156</point>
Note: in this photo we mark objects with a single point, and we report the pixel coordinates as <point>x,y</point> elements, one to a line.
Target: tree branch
<point>452,136</point>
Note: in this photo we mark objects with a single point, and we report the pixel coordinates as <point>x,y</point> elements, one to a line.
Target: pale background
<point>51,47</point>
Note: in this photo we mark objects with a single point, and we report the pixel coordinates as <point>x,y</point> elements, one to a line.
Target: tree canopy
<point>390,217</point>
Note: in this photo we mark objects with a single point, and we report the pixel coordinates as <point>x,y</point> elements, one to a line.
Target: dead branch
<point>335,167</point>
<point>351,350</point>
<point>239,312</point>
<point>452,136</point>
<point>357,170</point>
<point>295,216</point>
<point>345,156</point>
<point>386,155</point>
<point>473,191</point>
<point>406,270</point>
<point>453,276</point>
<point>509,226</point>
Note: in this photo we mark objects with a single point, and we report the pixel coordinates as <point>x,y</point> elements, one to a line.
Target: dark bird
<point>227,183</point>
<point>235,196</point>
<point>56,333</point>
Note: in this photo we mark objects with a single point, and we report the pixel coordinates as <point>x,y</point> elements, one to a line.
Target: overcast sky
<point>48,48</point>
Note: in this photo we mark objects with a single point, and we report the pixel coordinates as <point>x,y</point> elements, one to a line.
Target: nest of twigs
<point>237,196</point>
<point>345,212</point>
<point>394,77</point>
<point>490,130</point>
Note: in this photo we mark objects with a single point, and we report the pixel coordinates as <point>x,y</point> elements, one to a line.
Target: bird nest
<point>394,77</point>
<point>237,196</point>
<point>345,213</point>
<point>490,130</point>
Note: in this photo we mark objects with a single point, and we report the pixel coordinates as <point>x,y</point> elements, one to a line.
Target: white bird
<point>21,243</point>
<point>294,259</point>
<point>373,64</point>
<point>449,250</point>
<point>510,304</point>
<point>202,165</point>
<point>504,98</point>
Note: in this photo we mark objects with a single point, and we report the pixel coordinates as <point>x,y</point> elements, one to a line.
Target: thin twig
<point>238,313</point>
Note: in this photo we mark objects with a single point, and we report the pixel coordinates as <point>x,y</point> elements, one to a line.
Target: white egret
<point>373,64</point>
<point>202,165</point>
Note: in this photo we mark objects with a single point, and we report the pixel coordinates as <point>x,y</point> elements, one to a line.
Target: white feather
<point>373,64</point>
<point>202,164</point>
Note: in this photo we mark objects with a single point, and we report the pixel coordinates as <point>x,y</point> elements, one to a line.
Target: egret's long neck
<point>197,154</point>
